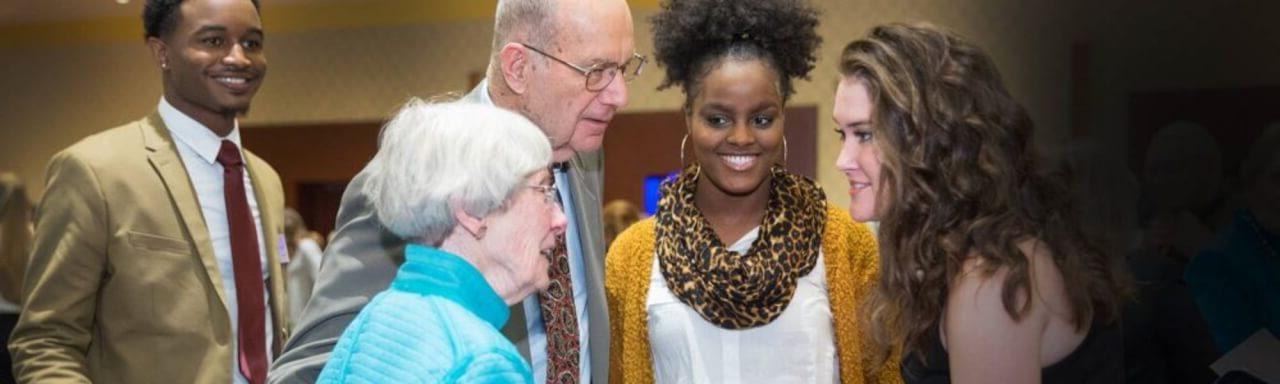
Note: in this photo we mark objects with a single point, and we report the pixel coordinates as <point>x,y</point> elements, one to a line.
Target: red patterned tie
<point>560,319</point>
<point>250,303</point>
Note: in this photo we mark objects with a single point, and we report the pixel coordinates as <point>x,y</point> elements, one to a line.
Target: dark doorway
<point>318,204</point>
<point>315,163</point>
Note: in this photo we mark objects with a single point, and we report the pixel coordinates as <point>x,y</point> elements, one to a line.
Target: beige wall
<point>53,95</point>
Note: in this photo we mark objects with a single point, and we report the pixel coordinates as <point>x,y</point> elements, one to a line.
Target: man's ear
<point>159,52</point>
<point>474,225</point>
<point>513,61</point>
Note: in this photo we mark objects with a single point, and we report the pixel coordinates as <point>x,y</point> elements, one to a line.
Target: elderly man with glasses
<point>570,85</point>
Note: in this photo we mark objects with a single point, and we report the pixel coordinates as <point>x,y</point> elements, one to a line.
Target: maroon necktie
<point>251,323</point>
<point>560,319</point>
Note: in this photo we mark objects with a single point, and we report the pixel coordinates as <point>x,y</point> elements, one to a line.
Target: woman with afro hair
<point>745,273</point>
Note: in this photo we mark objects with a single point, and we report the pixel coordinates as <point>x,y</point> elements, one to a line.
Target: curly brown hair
<point>962,177</point>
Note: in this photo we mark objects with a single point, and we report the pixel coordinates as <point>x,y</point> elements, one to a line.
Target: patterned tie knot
<point>229,155</point>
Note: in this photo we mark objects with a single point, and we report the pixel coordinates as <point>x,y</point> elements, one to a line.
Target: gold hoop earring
<point>784,151</point>
<point>683,141</point>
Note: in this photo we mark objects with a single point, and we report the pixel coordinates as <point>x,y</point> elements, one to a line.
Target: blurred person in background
<point>1181,181</point>
<point>1236,279</point>
<point>618,215</point>
<point>304,261</point>
<point>1166,340</point>
<point>15,245</point>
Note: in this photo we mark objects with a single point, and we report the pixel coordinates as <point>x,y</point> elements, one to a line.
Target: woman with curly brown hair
<point>985,275</point>
<point>746,273</point>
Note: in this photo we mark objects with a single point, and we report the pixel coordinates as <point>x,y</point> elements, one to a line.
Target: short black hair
<point>159,17</point>
<point>692,35</point>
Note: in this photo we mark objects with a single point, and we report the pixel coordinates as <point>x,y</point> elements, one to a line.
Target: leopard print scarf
<point>730,290</point>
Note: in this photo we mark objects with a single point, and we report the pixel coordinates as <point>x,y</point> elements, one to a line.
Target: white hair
<point>434,156</point>
<point>534,20</point>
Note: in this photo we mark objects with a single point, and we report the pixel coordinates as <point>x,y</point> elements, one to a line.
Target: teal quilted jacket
<point>439,322</point>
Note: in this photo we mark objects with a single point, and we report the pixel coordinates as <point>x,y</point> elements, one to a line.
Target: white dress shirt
<point>198,147</point>
<point>797,347</point>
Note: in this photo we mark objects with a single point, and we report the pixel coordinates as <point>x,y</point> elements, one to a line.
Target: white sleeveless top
<point>797,347</point>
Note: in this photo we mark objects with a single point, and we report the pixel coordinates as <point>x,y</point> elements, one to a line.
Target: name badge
<point>282,250</point>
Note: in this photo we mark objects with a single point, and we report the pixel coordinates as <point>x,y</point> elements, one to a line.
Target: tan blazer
<point>122,285</point>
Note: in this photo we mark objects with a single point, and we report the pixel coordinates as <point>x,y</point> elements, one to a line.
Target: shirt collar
<point>484,92</point>
<point>432,271</point>
<point>201,139</point>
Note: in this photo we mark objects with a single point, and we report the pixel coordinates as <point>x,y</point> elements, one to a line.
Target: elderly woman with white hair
<point>468,187</point>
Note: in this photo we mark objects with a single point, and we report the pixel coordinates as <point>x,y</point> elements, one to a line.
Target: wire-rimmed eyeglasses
<point>600,75</point>
<point>549,192</point>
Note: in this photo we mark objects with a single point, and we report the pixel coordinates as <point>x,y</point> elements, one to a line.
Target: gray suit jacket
<point>363,258</point>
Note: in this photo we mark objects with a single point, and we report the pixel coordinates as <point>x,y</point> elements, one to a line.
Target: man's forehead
<point>204,14</point>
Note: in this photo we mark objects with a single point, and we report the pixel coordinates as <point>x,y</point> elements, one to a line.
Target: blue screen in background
<point>652,191</point>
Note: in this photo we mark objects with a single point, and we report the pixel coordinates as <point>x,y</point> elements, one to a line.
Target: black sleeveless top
<point>1098,359</point>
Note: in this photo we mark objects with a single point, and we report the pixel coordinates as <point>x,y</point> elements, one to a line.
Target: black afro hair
<point>691,34</point>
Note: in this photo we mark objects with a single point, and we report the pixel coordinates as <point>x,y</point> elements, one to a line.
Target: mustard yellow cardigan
<point>851,260</point>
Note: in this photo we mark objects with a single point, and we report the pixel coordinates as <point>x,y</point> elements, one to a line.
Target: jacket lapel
<point>586,182</point>
<point>270,238</point>
<point>168,165</point>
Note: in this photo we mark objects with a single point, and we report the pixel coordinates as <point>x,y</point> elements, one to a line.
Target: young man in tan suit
<point>156,252</point>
